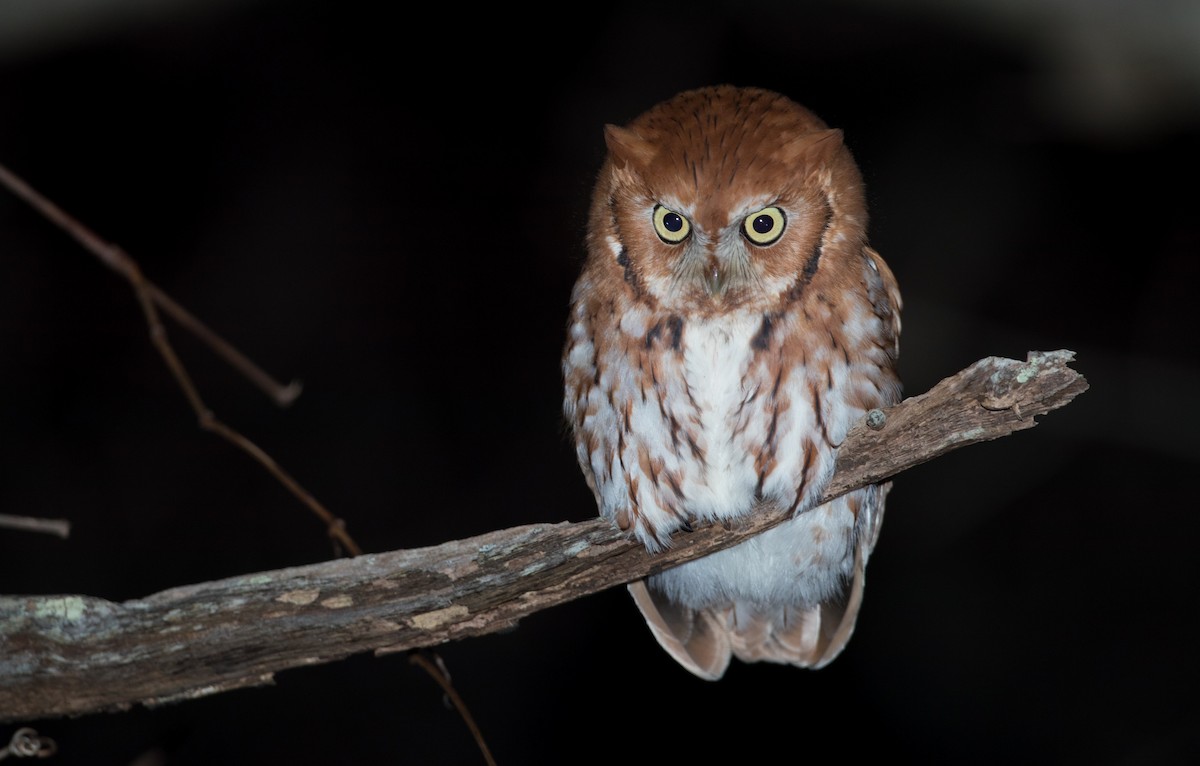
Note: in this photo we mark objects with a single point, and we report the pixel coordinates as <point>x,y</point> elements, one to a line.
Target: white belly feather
<point>803,561</point>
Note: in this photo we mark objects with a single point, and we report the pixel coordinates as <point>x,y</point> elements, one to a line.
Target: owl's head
<point>723,197</point>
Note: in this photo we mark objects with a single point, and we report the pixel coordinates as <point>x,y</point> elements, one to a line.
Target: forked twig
<point>151,298</point>
<point>438,672</point>
<point>209,422</point>
<point>117,260</point>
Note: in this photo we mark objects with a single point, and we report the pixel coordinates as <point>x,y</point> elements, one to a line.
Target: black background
<point>392,210</point>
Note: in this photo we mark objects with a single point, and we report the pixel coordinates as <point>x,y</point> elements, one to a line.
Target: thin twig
<point>437,670</point>
<point>150,298</point>
<point>59,527</point>
<point>120,262</point>
<point>209,422</point>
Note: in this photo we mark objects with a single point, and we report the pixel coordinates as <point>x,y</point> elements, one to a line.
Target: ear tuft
<point>818,147</point>
<point>626,147</point>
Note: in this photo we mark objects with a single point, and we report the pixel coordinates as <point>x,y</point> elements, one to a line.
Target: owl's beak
<point>714,279</point>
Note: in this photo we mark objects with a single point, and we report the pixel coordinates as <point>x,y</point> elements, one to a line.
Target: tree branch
<point>71,655</point>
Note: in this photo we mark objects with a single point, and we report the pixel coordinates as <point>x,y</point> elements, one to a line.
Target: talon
<point>623,520</point>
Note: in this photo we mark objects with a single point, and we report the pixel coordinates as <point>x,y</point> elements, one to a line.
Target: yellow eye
<point>765,226</point>
<point>670,226</point>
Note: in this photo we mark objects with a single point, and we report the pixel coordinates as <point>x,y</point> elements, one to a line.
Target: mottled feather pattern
<point>730,325</point>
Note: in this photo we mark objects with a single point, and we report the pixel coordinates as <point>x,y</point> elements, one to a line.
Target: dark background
<point>392,210</point>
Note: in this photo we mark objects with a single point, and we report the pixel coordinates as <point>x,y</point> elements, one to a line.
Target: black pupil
<point>672,222</point>
<point>763,224</point>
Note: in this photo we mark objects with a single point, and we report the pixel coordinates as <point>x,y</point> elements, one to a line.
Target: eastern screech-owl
<point>730,325</point>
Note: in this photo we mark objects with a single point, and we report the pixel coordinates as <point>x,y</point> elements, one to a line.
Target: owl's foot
<point>655,533</point>
<point>734,523</point>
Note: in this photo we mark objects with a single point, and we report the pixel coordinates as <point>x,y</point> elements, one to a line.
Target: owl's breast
<point>717,360</point>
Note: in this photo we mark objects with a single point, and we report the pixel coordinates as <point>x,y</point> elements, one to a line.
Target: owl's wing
<point>702,641</point>
<point>884,294</point>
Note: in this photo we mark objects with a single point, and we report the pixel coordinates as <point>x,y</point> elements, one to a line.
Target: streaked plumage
<point>729,326</point>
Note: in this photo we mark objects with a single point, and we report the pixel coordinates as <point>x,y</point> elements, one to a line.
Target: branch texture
<point>74,654</point>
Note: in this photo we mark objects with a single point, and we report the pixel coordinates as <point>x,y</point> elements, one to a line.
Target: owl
<point>730,324</point>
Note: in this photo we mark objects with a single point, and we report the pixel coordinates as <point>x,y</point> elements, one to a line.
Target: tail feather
<point>698,640</point>
<point>704,640</point>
